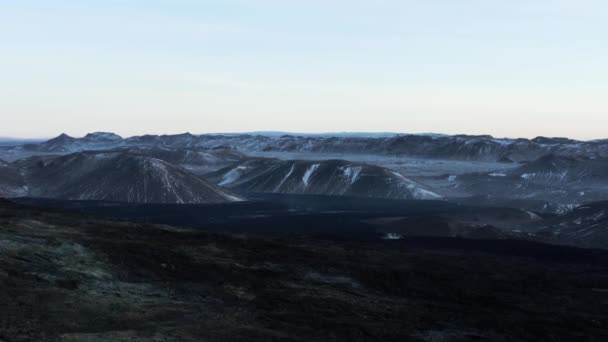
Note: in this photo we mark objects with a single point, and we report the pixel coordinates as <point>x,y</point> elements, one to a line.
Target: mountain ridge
<point>327,177</point>
<point>437,146</point>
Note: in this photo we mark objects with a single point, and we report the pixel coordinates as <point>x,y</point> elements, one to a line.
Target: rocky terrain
<point>328,177</point>
<point>358,218</point>
<point>341,217</point>
<point>585,226</point>
<point>12,183</point>
<point>66,277</point>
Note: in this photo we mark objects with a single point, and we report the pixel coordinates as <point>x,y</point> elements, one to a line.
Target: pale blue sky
<point>517,68</point>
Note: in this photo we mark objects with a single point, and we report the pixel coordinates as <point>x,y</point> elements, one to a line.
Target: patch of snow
<point>392,236</point>
<point>233,198</point>
<point>232,175</point>
<point>103,156</point>
<point>497,175</point>
<point>351,173</point>
<point>533,215</point>
<point>424,194</point>
<point>309,173</point>
<point>503,142</point>
<point>293,166</point>
<point>566,208</point>
<point>417,190</point>
<point>527,175</point>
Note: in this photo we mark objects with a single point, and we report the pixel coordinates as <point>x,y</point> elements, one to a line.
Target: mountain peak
<point>553,140</point>
<point>62,137</point>
<point>106,136</point>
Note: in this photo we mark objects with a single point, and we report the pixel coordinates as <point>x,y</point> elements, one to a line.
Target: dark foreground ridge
<point>67,277</point>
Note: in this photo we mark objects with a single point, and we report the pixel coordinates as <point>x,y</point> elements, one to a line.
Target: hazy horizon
<point>508,69</point>
<point>4,138</point>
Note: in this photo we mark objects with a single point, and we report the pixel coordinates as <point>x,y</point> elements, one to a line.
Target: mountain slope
<point>117,176</point>
<point>330,177</point>
<point>563,170</point>
<point>585,226</point>
<point>12,183</point>
<point>196,160</point>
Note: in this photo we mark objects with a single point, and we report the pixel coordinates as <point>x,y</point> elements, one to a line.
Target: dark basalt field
<point>69,277</point>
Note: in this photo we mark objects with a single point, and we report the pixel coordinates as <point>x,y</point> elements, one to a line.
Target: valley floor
<point>68,277</point>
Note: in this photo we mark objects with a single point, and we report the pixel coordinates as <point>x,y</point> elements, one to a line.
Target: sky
<point>510,68</point>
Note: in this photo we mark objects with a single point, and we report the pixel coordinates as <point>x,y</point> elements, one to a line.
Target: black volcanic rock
<point>485,232</point>
<point>64,277</point>
<point>330,177</point>
<point>117,176</point>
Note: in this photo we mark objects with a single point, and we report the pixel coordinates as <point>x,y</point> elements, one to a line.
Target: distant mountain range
<point>551,189</point>
<point>542,174</point>
<point>456,147</point>
<point>167,175</point>
<point>5,141</point>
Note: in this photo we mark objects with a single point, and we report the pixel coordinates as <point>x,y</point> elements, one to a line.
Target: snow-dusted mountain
<point>554,169</point>
<point>457,147</point>
<point>550,174</point>
<point>116,176</point>
<point>196,160</point>
<point>567,181</point>
<point>329,177</point>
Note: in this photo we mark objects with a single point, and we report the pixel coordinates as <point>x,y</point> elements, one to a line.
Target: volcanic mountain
<point>116,176</point>
<point>329,177</point>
